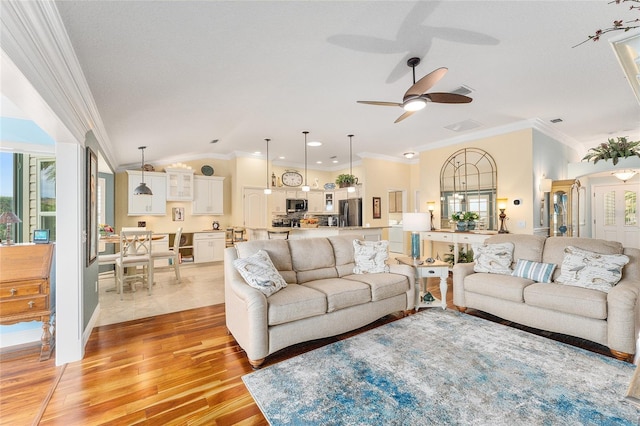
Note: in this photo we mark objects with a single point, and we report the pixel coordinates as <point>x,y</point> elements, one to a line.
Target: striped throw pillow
<point>536,271</point>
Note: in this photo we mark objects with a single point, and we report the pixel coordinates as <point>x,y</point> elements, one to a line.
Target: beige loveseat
<point>611,319</point>
<point>323,296</point>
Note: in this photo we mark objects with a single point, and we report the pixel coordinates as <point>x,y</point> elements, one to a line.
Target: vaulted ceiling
<point>175,76</point>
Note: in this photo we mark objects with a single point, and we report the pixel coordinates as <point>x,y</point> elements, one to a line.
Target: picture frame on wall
<point>92,206</point>
<point>177,214</point>
<point>377,207</point>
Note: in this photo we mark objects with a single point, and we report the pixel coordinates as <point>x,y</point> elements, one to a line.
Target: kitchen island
<point>359,232</point>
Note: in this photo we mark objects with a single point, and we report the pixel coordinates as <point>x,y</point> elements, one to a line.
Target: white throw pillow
<point>583,268</point>
<point>493,258</point>
<point>370,256</point>
<point>258,271</point>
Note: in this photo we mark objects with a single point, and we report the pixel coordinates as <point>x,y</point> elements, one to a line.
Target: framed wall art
<point>377,208</point>
<point>177,214</point>
<point>92,206</point>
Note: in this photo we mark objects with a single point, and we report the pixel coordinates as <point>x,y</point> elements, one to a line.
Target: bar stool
<point>228,237</point>
<point>275,235</point>
<point>238,235</point>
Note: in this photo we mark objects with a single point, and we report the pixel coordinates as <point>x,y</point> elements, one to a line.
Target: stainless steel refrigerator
<point>350,212</point>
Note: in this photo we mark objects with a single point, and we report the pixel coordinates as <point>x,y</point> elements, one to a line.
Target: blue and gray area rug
<point>445,368</point>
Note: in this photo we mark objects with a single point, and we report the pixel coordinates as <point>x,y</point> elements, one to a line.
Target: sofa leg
<point>622,356</point>
<point>462,308</point>
<point>256,363</point>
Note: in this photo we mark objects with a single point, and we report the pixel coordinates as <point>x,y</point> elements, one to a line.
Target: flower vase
<point>462,226</point>
<point>471,225</point>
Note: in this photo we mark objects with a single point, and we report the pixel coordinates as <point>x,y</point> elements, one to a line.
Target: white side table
<point>437,268</point>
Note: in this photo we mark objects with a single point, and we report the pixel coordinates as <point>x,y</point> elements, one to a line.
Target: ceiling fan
<point>417,97</point>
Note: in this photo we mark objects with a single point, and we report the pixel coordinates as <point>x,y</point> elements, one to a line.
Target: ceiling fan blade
<point>403,116</point>
<point>448,98</point>
<point>381,103</point>
<point>426,82</point>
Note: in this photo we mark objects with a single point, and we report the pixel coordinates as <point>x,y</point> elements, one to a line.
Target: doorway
<point>616,215</point>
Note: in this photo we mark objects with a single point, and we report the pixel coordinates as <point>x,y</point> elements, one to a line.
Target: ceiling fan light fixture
<point>414,104</point>
<point>625,175</point>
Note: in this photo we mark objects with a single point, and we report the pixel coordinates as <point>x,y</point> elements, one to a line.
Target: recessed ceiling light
<point>409,155</point>
<point>318,162</point>
<point>256,153</point>
<point>334,161</point>
<point>281,157</point>
<point>314,143</point>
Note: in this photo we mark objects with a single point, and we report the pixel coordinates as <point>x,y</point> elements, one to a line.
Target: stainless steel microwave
<point>295,205</point>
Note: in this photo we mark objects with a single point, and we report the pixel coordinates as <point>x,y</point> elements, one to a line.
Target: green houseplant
<point>345,179</point>
<point>614,149</point>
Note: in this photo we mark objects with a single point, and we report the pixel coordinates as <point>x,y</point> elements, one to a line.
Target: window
<point>46,195</point>
<point>630,208</point>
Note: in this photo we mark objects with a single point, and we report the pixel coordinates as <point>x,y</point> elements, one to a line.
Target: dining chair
<point>228,237</point>
<point>173,254</point>
<point>238,235</point>
<point>135,251</point>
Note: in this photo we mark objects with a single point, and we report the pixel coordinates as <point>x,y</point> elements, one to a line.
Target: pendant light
<point>351,188</point>
<point>305,187</point>
<point>142,189</point>
<point>267,189</point>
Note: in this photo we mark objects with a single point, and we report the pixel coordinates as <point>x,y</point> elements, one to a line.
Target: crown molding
<point>34,37</point>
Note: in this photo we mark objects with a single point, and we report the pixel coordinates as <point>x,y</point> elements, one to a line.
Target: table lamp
<point>431,206</point>
<point>415,223</point>
<point>9,218</point>
<point>502,205</point>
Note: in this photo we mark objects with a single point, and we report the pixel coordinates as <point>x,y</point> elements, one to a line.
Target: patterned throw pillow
<point>493,258</point>
<point>370,256</point>
<point>536,271</point>
<point>583,268</point>
<point>258,271</point>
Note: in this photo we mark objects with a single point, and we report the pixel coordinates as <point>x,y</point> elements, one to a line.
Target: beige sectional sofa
<point>609,318</point>
<point>323,296</point>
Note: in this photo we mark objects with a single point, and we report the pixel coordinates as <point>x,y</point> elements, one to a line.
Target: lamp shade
<point>502,203</point>
<point>9,217</point>
<point>431,205</point>
<point>416,222</point>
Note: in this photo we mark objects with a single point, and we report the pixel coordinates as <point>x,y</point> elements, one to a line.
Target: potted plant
<point>344,180</point>
<point>461,222</point>
<point>470,218</point>
<point>614,149</point>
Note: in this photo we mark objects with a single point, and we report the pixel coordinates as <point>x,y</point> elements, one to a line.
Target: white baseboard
<point>92,322</point>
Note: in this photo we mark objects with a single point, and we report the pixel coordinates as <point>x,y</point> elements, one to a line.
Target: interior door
<point>615,212</point>
<point>255,208</point>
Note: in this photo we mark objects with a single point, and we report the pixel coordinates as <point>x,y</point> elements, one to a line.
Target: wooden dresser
<point>25,288</point>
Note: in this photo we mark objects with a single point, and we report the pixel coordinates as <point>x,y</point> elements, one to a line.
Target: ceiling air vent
<point>462,90</point>
<point>463,126</point>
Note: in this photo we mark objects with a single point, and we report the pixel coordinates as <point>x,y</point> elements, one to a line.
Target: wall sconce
<point>545,186</point>
<point>502,205</point>
<point>625,175</point>
<point>415,223</point>
<point>431,206</point>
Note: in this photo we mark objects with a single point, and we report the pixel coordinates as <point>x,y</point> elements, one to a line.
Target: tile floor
<point>201,285</point>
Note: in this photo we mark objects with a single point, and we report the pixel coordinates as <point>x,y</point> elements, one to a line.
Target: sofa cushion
<point>258,271</point>
<point>584,268</point>
<point>536,271</point>
<point>571,300</point>
<point>554,249</point>
<point>527,247</point>
<point>278,251</point>
<point>493,258</point>
<point>499,286</point>
<point>312,259</point>
<point>370,256</point>
<point>382,286</point>
<point>295,302</point>
<point>341,293</point>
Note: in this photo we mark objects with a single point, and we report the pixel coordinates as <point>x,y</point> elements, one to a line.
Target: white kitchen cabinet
<point>315,202</point>
<point>155,204</point>
<point>208,247</point>
<point>179,184</point>
<point>208,195</point>
<point>279,201</point>
<point>329,203</point>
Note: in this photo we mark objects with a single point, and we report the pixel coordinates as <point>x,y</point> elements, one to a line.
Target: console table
<point>455,239</point>
<point>25,291</point>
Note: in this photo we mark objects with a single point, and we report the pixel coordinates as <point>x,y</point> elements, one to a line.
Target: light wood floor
<point>178,368</point>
